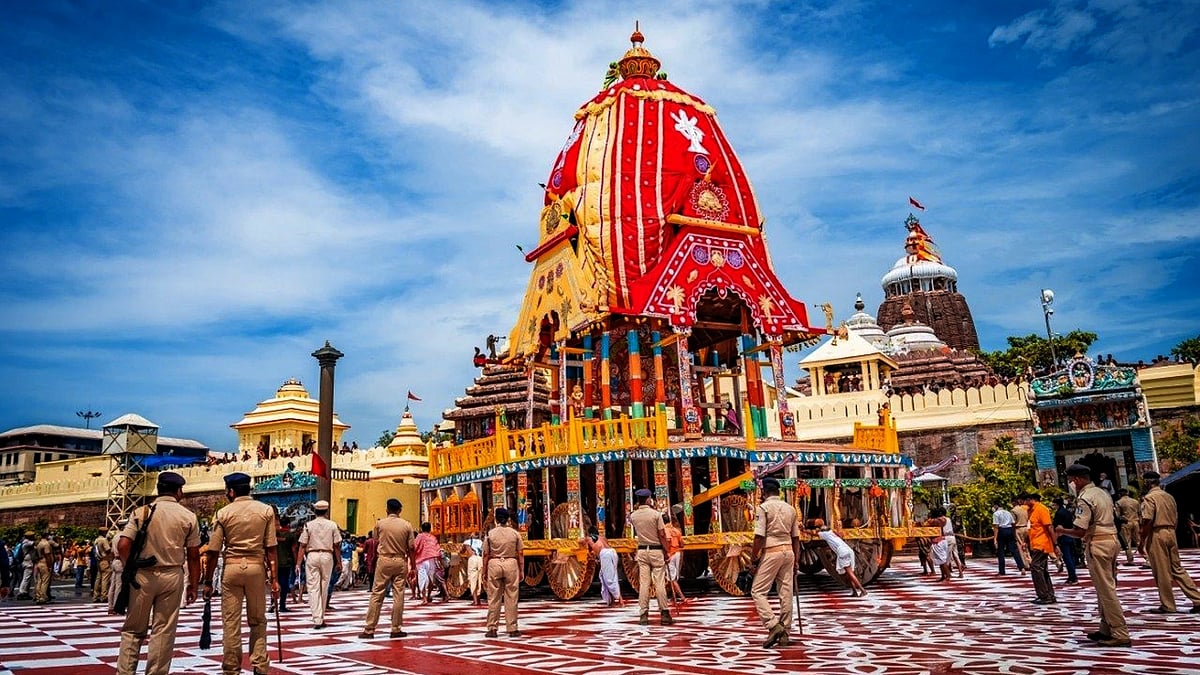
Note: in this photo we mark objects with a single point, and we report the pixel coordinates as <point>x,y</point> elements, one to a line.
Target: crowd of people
<point>251,555</point>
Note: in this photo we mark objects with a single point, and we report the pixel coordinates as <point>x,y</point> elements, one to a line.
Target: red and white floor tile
<point>908,624</point>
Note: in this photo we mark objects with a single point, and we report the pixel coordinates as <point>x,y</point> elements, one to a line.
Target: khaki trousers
<point>774,568</point>
<point>1102,558</point>
<point>1129,532</point>
<point>244,580</point>
<point>503,586</point>
<point>389,571</point>
<point>1163,552</point>
<point>319,569</point>
<point>41,581</point>
<point>103,579</point>
<point>1023,544</point>
<point>651,570</point>
<point>114,586</point>
<point>160,596</point>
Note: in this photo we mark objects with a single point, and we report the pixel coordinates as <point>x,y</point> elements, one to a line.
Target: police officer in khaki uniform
<point>244,533</point>
<point>118,566</point>
<point>1095,524</point>
<point>1160,517</point>
<point>504,565</point>
<point>395,537</point>
<point>648,530</point>
<point>776,552</point>
<point>318,547</point>
<point>43,569</point>
<point>172,539</point>
<point>1127,511</point>
<point>104,556</point>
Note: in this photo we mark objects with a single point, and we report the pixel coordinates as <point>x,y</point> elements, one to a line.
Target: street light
<point>88,416</point>
<point>1047,310</point>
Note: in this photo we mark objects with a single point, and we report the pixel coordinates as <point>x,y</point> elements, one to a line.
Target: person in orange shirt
<point>1041,549</point>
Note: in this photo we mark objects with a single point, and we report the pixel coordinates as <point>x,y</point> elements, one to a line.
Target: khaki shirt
<point>103,548</point>
<point>776,522</point>
<point>245,528</point>
<point>647,526</point>
<point>1160,509</point>
<point>395,536</point>
<point>321,534</point>
<point>502,542</point>
<point>1020,515</point>
<point>1128,508</point>
<point>45,551</point>
<point>1094,512</point>
<point>173,529</point>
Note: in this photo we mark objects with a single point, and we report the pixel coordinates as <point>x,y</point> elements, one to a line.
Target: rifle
<point>206,625</point>
<point>133,563</point>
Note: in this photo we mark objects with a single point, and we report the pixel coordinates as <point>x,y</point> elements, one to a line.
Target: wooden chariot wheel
<point>535,571</point>
<point>726,563</point>
<point>456,577</point>
<point>871,558</point>
<point>810,558</point>
<point>569,576</point>
<point>629,570</point>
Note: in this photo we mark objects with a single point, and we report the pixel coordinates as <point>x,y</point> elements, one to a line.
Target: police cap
<point>235,479</point>
<point>170,479</point>
<point>394,504</point>
<point>321,505</point>
<point>643,493</point>
<point>770,483</point>
<point>1078,469</point>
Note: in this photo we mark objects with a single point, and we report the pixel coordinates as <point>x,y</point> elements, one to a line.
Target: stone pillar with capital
<point>326,357</point>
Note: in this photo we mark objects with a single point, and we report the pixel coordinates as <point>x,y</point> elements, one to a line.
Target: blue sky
<point>194,197</point>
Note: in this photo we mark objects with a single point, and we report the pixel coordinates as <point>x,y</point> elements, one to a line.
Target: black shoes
<point>515,634</point>
<point>491,634</point>
<point>1041,601</point>
<point>366,636</point>
<point>1096,636</point>
<point>397,634</point>
<point>666,619</point>
<point>1113,642</point>
<point>644,620</point>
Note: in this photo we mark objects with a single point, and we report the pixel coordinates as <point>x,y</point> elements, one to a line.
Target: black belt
<point>649,547</point>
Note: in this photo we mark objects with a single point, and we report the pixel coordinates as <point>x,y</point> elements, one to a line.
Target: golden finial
<point>638,62</point>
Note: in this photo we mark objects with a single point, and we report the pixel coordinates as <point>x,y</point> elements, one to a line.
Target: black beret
<point>394,504</point>
<point>237,478</point>
<point>770,483</point>
<point>642,493</point>
<point>501,513</point>
<point>171,479</point>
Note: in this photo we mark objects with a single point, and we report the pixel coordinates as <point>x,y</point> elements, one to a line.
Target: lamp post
<point>1047,310</point>
<point>88,416</point>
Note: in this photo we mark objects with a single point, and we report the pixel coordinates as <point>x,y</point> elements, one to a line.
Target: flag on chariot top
<point>412,396</point>
<point>916,203</point>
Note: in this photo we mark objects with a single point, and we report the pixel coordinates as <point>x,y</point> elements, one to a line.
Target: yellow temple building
<point>284,423</point>
<point>407,458</point>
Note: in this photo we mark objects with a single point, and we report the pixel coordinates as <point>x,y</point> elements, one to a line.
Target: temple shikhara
<point>650,246</point>
<point>648,353</point>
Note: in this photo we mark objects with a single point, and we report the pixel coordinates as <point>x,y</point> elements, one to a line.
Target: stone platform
<point>908,624</point>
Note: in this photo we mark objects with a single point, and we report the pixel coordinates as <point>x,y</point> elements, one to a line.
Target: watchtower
<point>129,439</point>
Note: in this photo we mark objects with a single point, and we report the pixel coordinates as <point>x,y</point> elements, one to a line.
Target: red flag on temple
<point>916,203</point>
<point>319,468</point>
<point>412,396</point>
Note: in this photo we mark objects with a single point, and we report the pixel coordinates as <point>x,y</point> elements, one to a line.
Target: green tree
<point>1188,350</point>
<point>1179,444</point>
<point>385,438</point>
<point>1000,473</point>
<point>1033,351</point>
